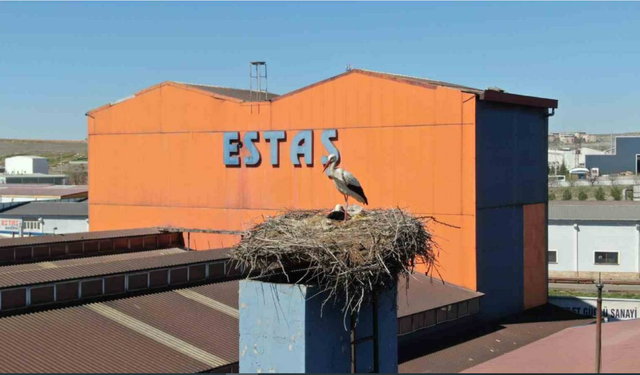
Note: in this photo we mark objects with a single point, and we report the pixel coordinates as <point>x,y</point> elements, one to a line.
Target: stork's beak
<point>326,166</point>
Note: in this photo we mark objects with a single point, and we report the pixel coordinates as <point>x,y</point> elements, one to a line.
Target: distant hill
<point>58,152</point>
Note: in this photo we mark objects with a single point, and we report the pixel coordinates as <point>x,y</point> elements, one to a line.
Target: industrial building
<point>572,158</point>
<point>40,218</point>
<point>26,165</point>
<point>12,193</point>
<point>474,159</point>
<point>626,157</point>
<point>587,238</point>
<point>34,178</point>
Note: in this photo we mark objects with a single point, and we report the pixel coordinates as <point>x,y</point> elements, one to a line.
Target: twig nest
<point>349,261</point>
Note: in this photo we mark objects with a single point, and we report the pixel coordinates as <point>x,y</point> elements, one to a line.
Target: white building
<point>589,237</point>
<point>26,165</point>
<point>556,157</point>
<point>39,218</point>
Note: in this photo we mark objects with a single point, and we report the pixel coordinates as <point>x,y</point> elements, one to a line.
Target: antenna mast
<point>257,74</point>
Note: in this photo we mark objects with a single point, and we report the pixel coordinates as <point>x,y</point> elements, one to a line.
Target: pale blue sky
<point>58,60</point>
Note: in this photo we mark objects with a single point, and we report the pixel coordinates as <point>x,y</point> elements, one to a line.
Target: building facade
<point>42,218</point>
<point>588,238</point>
<point>473,159</point>
<point>26,165</point>
<point>625,159</point>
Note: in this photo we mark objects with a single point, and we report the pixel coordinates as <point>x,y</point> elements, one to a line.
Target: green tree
<point>567,196</point>
<point>616,193</point>
<point>552,196</point>
<point>563,169</point>
<point>600,194</point>
<point>582,195</point>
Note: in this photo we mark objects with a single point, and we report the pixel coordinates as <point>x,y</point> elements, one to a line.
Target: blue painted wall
<point>623,160</point>
<point>500,261</point>
<point>511,171</point>
<point>511,155</point>
<point>283,331</point>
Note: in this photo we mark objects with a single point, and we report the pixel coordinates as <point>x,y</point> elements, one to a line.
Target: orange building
<point>207,157</point>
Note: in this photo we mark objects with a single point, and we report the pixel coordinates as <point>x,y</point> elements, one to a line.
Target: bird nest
<point>348,261</point>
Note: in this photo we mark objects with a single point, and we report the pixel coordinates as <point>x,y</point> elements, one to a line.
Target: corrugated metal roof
<point>42,190</point>
<point>595,210</point>
<point>426,80</point>
<point>90,260</point>
<point>53,274</point>
<point>185,330</point>
<point>85,236</point>
<point>162,332</point>
<point>240,94</point>
<point>49,209</point>
<point>422,293</point>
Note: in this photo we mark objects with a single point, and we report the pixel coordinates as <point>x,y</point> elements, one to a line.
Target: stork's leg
<point>346,206</point>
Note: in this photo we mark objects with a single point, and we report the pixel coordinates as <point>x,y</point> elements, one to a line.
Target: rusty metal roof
<point>156,333</point>
<point>240,94</point>
<point>422,293</point>
<point>101,235</point>
<point>121,265</point>
<point>87,261</point>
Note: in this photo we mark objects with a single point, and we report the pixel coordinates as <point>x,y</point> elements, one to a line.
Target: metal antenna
<point>258,72</point>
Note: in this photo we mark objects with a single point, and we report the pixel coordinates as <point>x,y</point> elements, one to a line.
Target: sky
<point>59,60</point>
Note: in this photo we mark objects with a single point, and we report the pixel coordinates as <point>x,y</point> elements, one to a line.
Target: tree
<point>567,196</point>
<point>592,178</point>
<point>563,169</point>
<point>600,194</point>
<point>582,195</point>
<point>616,193</point>
<point>552,196</point>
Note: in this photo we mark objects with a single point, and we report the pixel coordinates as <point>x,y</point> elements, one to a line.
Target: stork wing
<point>354,185</point>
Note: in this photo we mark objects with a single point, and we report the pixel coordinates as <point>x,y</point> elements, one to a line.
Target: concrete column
<point>575,246</point>
<point>638,247</point>
<point>284,328</point>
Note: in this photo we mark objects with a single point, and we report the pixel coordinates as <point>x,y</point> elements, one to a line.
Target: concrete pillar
<point>638,247</point>
<point>283,328</point>
<point>576,251</point>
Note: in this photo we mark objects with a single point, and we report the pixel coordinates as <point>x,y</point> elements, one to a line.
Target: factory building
<point>26,165</point>
<point>40,218</point>
<point>591,238</point>
<point>473,159</point>
<point>626,158</point>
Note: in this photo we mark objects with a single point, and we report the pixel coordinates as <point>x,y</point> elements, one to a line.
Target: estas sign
<point>10,225</point>
<point>301,145</point>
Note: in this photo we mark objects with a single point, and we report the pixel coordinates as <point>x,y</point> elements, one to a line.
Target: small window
<point>553,256</point>
<point>606,257</point>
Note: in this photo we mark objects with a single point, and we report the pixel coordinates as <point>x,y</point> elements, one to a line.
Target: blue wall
<point>500,261</point>
<point>623,160</point>
<point>511,155</point>
<point>511,171</point>
<point>283,330</point>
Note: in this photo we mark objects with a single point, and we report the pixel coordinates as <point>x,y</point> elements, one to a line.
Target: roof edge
<point>508,98</point>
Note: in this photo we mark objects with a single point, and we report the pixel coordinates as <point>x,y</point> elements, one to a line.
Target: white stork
<point>345,182</point>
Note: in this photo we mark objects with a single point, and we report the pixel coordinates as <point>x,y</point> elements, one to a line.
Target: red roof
<point>573,350</point>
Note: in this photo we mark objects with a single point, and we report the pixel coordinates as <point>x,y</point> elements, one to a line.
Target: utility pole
<point>599,285</point>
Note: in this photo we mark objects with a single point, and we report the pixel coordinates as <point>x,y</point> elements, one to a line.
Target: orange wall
<point>156,160</point>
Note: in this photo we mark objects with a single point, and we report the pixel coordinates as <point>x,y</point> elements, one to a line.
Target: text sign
<point>301,146</point>
<point>10,225</point>
<point>612,308</point>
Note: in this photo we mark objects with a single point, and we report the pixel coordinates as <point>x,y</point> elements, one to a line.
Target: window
<point>606,257</point>
<point>552,256</point>
<point>32,225</point>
